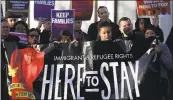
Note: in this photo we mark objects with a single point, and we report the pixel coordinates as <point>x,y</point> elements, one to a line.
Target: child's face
<point>105,33</point>
<point>65,39</point>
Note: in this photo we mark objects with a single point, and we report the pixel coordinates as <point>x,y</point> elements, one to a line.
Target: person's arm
<point>166,57</point>
<point>156,20</point>
<point>40,22</point>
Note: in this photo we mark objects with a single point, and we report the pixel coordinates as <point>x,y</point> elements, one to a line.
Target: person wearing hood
<point>142,23</point>
<point>155,85</point>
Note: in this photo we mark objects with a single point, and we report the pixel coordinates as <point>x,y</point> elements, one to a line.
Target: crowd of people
<point>158,82</point>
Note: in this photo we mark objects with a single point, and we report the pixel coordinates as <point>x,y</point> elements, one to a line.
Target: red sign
<point>83,9</point>
<point>149,8</point>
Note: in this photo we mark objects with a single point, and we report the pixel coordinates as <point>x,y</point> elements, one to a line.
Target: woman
<point>26,65</point>
<point>155,85</point>
<point>33,36</point>
<point>104,32</point>
<point>141,25</point>
<point>21,27</point>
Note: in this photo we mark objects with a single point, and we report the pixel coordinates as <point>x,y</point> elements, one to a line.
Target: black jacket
<point>93,31</point>
<point>80,35</point>
<point>9,45</point>
<point>170,41</point>
<point>44,37</point>
<point>147,23</point>
<point>11,38</point>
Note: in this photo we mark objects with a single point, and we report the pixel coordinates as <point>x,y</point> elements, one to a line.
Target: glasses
<point>34,36</point>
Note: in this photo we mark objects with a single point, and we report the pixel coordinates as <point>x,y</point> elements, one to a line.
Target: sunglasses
<point>34,36</point>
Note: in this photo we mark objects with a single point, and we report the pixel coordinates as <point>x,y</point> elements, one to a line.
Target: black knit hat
<point>11,15</point>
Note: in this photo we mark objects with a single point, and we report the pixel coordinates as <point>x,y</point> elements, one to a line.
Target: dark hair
<point>11,15</point>
<point>100,25</point>
<point>151,27</point>
<point>100,8</point>
<point>23,23</point>
<point>33,29</point>
<point>3,20</point>
<point>103,24</point>
<point>66,33</point>
<point>124,19</point>
<point>146,22</point>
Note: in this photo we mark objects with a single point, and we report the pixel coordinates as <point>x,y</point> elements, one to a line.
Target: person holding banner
<point>156,79</point>
<point>127,34</point>
<point>27,62</point>
<point>33,36</point>
<point>103,14</point>
<point>104,32</point>
<point>142,23</point>
<point>5,38</point>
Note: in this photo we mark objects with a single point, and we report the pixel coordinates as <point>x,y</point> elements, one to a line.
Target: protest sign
<point>62,20</point>
<point>22,36</point>
<point>18,7</point>
<point>42,9</point>
<point>150,7</point>
<point>90,71</point>
<point>83,9</point>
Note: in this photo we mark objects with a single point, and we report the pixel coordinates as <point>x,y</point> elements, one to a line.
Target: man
<point>46,33</point>
<point>127,34</point>
<point>128,39</point>
<point>12,19</point>
<point>5,29</point>
<point>103,14</point>
<point>5,38</point>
